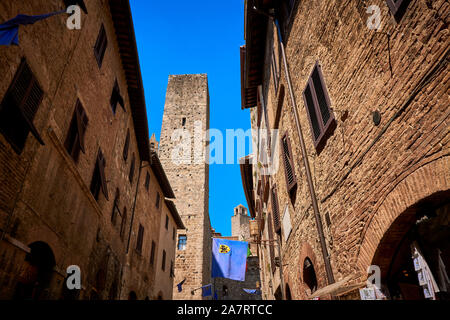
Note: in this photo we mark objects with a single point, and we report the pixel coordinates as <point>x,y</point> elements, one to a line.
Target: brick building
<point>78,185</point>
<point>185,119</point>
<point>363,145</point>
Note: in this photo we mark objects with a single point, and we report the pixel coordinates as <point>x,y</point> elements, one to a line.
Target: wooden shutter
<point>131,175</point>
<point>101,165</point>
<point>140,239</point>
<point>80,3</point>
<point>116,97</point>
<point>152,253</point>
<point>124,223</point>
<point>26,95</point>
<point>291,180</point>
<point>318,105</point>
<point>81,124</point>
<point>395,6</point>
<point>126,146</point>
<point>271,243</point>
<point>100,46</point>
<point>275,210</point>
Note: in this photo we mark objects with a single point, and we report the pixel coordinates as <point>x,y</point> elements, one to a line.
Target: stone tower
<point>240,223</point>
<point>185,119</point>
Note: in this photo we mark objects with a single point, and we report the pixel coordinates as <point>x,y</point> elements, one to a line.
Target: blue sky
<point>200,36</point>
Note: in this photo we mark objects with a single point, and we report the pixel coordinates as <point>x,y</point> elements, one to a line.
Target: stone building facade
<point>362,118</point>
<point>184,154</point>
<point>77,181</point>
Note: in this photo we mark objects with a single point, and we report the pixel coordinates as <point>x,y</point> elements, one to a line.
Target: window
<point>173,233</point>
<point>147,181</point>
<point>182,240</point>
<point>163,266</point>
<point>98,177</point>
<point>124,223</point>
<point>75,137</point>
<point>397,7</point>
<point>116,98</point>
<point>271,243</point>
<point>172,270</point>
<point>291,180</point>
<point>19,106</point>
<point>79,3</point>
<point>152,253</point>
<point>131,174</point>
<point>275,210</point>
<point>309,275</point>
<point>157,200</point>
<point>126,146</point>
<point>140,239</point>
<point>100,46</point>
<point>317,104</point>
<point>183,122</point>
<point>167,222</point>
<point>115,210</point>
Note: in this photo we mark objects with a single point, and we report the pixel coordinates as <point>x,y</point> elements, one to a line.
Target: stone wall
<point>187,103</point>
<point>362,165</point>
<point>45,195</point>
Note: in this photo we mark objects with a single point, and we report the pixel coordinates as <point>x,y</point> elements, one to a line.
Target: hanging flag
<point>207,290</point>
<point>180,285</point>
<point>251,291</point>
<point>229,259</point>
<point>9,30</point>
<point>215,295</point>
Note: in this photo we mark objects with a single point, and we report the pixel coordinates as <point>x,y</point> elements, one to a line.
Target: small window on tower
<point>183,122</point>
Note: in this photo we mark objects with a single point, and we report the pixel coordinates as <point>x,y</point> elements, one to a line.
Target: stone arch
<point>35,279</point>
<point>426,181</point>
<point>306,252</point>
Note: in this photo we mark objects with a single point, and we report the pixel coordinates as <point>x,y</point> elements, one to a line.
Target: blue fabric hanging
<point>9,30</point>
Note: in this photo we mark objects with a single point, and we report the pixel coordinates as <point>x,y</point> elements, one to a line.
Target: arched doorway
<point>414,253</point>
<point>132,296</point>
<point>34,282</point>
<point>288,292</point>
<point>309,275</point>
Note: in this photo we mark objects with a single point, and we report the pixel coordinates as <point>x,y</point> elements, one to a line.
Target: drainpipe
<point>312,192</point>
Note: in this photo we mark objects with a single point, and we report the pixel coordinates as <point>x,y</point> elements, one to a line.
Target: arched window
<point>309,275</point>
<point>224,291</point>
<point>132,296</point>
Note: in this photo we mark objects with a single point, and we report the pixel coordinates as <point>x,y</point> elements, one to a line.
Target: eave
<point>123,25</point>
<point>163,181</point>
<point>174,212</point>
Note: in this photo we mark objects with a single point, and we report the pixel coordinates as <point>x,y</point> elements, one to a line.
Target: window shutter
<point>100,46</point>
<point>81,125</point>
<point>131,174</point>
<point>26,95</point>
<point>101,166</point>
<point>126,146</point>
<point>271,243</point>
<point>291,180</point>
<point>395,5</point>
<point>318,105</point>
<point>80,3</point>
<point>275,210</point>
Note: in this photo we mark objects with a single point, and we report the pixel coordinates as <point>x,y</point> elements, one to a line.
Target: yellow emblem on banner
<point>224,248</point>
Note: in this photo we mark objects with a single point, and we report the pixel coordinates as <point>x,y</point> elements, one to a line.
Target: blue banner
<point>229,258</point>
<point>9,30</point>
